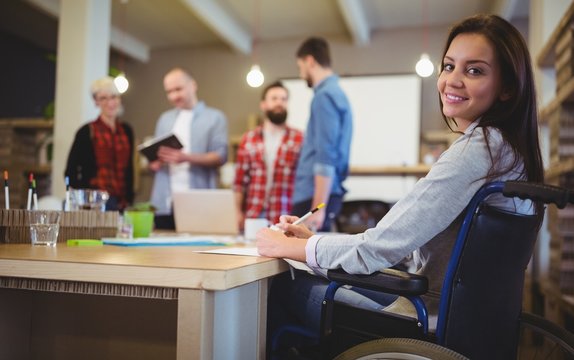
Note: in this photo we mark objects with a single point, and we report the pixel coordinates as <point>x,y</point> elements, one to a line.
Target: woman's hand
<point>300,231</point>
<point>274,243</point>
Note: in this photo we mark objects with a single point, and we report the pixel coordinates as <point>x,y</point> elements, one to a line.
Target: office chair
<point>480,305</point>
<point>356,216</point>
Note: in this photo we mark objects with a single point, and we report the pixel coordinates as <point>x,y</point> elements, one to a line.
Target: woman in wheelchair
<point>487,94</point>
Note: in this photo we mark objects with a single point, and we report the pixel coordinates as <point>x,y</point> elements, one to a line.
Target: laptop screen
<point>205,211</point>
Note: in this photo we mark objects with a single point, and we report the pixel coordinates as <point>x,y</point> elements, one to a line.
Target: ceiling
<point>141,26</point>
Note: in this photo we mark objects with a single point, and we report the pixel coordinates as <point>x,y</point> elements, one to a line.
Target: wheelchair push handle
<point>539,192</point>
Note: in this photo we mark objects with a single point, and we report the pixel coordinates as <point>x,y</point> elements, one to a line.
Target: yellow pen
<point>306,216</point>
<point>302,218</point>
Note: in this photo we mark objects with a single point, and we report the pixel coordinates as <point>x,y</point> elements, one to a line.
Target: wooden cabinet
<point>558,117</point>
<point>25,147</point>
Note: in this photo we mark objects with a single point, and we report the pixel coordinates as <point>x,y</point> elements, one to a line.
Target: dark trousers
<point>333,208</point>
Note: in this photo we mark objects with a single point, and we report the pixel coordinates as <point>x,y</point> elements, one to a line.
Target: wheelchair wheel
<point>398,348</point>
<point>542,339</point>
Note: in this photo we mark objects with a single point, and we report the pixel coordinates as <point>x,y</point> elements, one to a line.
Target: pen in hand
<point>302,218</point>
<point>297,222</point>
<point>306,216</point>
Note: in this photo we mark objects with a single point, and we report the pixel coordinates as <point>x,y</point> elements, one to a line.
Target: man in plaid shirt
<point>266,161</point>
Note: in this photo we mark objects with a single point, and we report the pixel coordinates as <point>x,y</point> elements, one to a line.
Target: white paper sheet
<point>245,251</point>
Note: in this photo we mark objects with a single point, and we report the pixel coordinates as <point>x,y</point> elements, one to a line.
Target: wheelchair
<point>480,310</point>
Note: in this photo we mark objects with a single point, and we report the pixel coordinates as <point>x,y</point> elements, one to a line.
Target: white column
<point>83,56</point>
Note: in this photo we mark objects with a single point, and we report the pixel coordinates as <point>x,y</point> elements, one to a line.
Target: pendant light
<point>255,77</point>
<point>121,82</point>
<point>424,66</point>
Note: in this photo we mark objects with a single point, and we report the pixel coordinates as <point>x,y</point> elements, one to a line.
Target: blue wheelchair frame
<point>536,192</point>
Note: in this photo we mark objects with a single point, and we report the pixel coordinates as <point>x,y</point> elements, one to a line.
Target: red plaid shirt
<point>251,174</point>
<point>112,151</point>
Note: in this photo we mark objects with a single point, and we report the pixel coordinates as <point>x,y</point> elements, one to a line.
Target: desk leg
<point>195,311</point>
<point>262,333</point>
<point>240,322</point>
<point>229,324</point>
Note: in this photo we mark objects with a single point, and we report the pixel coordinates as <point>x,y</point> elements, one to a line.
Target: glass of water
<point>44,226</point>
<point>88,199</point>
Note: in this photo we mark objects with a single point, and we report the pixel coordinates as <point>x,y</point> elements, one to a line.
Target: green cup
<point>142,222</point>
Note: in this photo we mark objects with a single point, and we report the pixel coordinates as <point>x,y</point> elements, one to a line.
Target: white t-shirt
<point>179,173</point>
<point>271,141</point>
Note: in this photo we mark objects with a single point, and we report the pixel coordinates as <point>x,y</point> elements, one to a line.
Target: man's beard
<point>277,117</point>
<point>309,82</point>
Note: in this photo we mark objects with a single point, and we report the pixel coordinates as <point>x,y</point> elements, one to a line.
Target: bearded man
<point>266,160</point>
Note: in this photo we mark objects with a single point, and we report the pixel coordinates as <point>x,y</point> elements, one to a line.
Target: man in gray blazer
<point>202,130</point>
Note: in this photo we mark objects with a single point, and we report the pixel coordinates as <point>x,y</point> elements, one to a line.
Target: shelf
<point>559,168</point>
<point>28,123</point>
<point>447,137</point>
<point>566,94</point>
<point>558,116</point>
<point>564,302</point>
<point>546,57</point>
<point>415,170</point>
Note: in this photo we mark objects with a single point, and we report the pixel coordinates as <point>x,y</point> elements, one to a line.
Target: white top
<point>271,141</point>
<point>179,173</point>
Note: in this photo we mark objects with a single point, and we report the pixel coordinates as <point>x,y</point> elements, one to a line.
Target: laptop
<point>205,211</point>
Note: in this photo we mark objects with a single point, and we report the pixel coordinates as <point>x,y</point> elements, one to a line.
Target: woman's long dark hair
<point>516,117</point>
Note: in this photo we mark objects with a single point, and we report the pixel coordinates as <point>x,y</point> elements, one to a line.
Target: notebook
<point>150,147</point>
<point>205,211</point>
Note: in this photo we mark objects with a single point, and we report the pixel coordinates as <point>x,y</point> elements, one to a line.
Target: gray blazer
<point>208,134</point>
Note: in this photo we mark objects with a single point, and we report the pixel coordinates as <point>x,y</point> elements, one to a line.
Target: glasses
<point>106,98</point>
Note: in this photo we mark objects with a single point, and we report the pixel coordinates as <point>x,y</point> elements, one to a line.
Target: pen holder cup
<point>142,222</point>
<point>83,224</point>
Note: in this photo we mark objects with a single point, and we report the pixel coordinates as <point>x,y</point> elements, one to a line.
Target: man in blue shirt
<point>324,160</point>
<point>202,130</point>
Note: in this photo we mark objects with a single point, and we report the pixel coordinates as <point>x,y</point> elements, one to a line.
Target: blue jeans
<point>298,302</point>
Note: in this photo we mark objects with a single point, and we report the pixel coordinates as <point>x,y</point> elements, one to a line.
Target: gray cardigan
<point>420,229</point>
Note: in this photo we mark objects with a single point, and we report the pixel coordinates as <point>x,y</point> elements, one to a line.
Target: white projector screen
<point>386,128</point>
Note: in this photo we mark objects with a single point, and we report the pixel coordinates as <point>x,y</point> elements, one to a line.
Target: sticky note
<point>84,242</point>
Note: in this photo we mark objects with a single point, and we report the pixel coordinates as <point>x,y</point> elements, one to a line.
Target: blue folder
<point>164,241</point>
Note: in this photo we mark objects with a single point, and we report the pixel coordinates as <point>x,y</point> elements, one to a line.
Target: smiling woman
<point>488,96</point>
<point>101,156</point>
<point>470,80</point>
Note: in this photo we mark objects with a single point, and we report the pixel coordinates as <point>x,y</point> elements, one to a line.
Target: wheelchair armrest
<point>390,281</point>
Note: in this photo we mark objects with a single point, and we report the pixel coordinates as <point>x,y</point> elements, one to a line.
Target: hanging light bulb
<point>255,77</point>
<point>121,83</point>
<point>424,66</point>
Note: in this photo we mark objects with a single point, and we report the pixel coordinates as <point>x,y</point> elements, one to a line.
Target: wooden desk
<point>220,299</point>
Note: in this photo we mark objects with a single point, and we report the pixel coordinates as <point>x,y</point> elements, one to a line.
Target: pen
<point>6,191</point>
<point>297,222</point>
<point>306,216</point>
<point>67,201</point>
<point>302,218</point>
<point>29,201</point>
<point>35,194</point>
